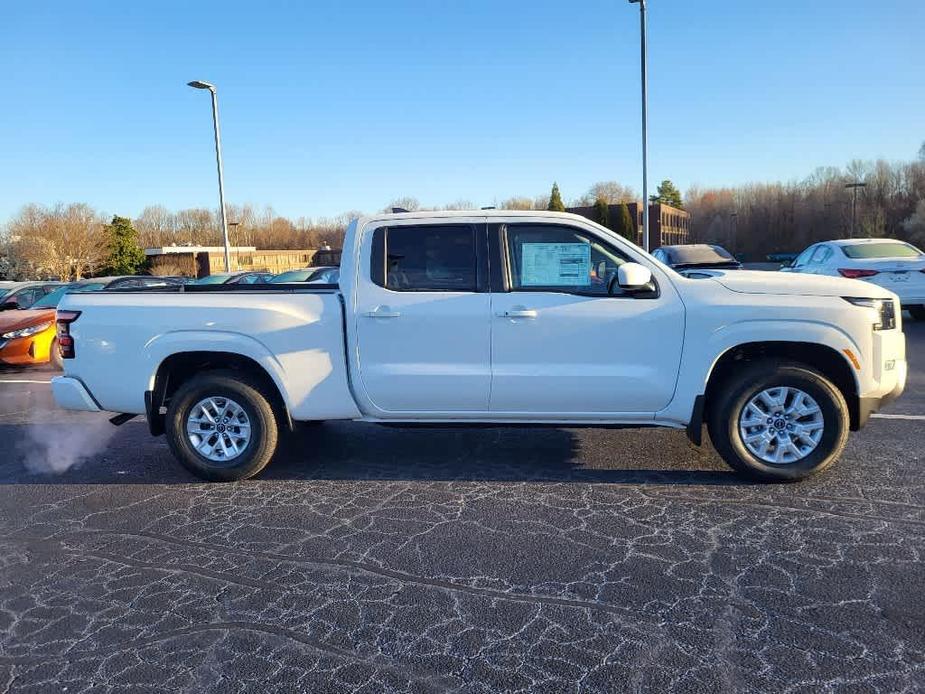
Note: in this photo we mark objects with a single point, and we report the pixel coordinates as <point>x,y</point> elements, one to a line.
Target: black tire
<point>918,312</point>
<point>251,398</point>
<point>733,395</point>
<point>55,361</point>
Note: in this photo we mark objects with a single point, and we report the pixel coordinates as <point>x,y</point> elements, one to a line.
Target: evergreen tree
<point>624,223</point>
<point>555,200</point>
<point>125,255</point>
<point>602,212</point>
<point>667,194</point>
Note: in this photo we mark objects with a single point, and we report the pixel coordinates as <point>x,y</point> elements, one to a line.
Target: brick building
<point>200,261</point>
<point>668,226</point>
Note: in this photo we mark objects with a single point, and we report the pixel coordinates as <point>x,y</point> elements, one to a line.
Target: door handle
<point>382,312</point>
<point>518,313</point>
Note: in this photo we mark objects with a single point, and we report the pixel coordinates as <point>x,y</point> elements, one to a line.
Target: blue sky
<point>331,106</point>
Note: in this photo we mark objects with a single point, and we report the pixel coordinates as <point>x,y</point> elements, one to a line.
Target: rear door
<point>423,318</point>
<point>561,343</point>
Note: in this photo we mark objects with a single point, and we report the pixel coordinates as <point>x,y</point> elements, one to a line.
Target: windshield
<point>700,255</point>
<point>51,299</point>
<point>293,276</point>
<point>886,249</point>
<point>213,279</point>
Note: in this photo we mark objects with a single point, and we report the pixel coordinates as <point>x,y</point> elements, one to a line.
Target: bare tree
<point>610,192</point>
<point>65,241</point>
<point>406,203</point>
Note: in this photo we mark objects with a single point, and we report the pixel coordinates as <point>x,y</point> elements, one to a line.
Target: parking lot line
<point>909,417</point>
<point>21,380</point>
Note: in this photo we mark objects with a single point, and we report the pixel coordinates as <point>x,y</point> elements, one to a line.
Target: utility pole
<point>854,205</point>
<point>735,231</point>
<point>644,60</point>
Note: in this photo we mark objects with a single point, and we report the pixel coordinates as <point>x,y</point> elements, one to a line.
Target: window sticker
<point>555,265</point>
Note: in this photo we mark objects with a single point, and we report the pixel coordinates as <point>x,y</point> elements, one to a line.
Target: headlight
<point>885,308</point>
<point>26,332</point>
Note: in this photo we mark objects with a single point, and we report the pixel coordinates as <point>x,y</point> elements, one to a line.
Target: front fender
<point>701,356</point>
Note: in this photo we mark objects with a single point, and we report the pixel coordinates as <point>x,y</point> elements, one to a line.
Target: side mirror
<point>9,306</point>
<point>633,276</point>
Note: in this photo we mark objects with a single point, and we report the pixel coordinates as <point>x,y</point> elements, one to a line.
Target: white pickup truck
<point>495,317</point>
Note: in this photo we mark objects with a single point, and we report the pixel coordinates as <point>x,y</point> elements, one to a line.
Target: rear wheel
<point>779,421</point>
<point>221,428</point>
<point>918,312</point>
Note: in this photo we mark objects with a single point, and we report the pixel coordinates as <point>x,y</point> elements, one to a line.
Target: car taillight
<point>853,274</point>
<point>63,319</point>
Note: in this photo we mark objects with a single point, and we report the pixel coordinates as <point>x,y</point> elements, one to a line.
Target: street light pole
<point>644,60</point>
<point>197,84</point>
<point>854,205</point>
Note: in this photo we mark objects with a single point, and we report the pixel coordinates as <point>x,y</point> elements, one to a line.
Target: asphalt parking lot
<point>376,559</point>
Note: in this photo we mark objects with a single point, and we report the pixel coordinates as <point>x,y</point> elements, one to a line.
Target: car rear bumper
<point>71,394</point>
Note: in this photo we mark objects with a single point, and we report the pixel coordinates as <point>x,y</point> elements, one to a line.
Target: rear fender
<point>168,344</point>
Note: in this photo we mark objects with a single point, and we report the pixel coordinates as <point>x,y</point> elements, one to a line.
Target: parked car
<point>236,278</point>
<point>495,317</point>
<point>696,256</point>
<point>27,336</point>
<point>896,265</point>
<point>24,294</point>
<point>136,282</point>
<point>782,258</point>
<point>314,275</point>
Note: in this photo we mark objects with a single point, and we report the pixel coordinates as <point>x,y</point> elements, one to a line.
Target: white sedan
<point>890,263</point>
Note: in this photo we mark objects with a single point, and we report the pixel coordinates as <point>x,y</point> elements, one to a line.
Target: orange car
<point>27,336</point>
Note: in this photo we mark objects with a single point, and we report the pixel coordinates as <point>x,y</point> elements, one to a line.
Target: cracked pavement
<point>373,559</point>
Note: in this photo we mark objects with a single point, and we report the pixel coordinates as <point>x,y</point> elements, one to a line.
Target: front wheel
<point>918,312</point>
<point>778,421</point>
<point>221,428</point>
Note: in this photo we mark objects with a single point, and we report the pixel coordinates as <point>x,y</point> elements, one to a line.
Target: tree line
<point>761,218</point>
<point>69,241</point>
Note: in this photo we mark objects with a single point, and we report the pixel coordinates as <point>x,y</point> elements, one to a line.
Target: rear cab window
<point>427,258</point>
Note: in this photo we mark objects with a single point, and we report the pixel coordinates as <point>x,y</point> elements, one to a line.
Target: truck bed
<point>294,331</point>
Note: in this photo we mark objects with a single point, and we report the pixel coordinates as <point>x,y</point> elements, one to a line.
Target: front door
<point>423,319</point>
<point>562,344</point>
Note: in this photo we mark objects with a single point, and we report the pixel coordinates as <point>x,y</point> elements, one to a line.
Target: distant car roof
<point>698,254</point>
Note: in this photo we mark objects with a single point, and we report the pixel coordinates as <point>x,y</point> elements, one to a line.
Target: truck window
<point>425,258</point>
<point>547,257</point>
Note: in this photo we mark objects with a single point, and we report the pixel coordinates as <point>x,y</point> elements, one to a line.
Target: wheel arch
<point>822,358</point>
<point>178,367</point>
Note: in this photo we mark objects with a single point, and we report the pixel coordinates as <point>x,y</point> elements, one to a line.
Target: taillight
<point>63,319</point>
<point>853,274</point>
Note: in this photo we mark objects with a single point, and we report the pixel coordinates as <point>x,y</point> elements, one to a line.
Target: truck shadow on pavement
<point>358,451</point>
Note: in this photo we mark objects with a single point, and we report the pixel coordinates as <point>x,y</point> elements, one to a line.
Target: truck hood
<point>17,320</point>
<point>797,284</point>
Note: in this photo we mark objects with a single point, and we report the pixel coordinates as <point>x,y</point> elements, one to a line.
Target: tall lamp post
<point>645,122</point>
<point>854,204</point>
<point>197,84</point>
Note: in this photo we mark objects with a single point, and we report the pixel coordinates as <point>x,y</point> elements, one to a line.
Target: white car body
<point>904,275</point>
<point>365,352</point>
